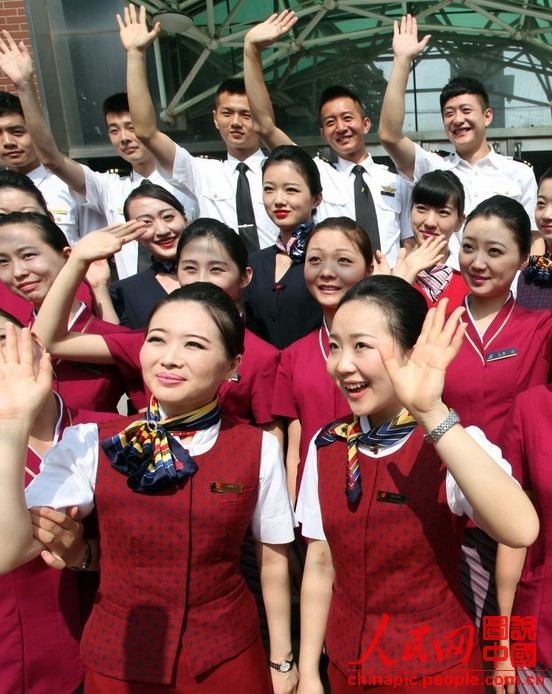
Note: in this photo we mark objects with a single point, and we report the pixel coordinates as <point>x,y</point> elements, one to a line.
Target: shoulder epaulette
<point>326,160</point>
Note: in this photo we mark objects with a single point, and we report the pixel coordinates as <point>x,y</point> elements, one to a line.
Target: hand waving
<point>133,29</point>
<point>419,377</point>
<point>266,33</point>
<point>15,60</point>
<point>103,243</point>
<point>23,388</point>
<point>405,38</point>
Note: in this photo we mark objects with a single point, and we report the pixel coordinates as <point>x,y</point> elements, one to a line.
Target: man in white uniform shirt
<point>104,193</point>
<point>17,153</point>
<point>344,124</point>
<point>466,116</point>
<point>213,182</point>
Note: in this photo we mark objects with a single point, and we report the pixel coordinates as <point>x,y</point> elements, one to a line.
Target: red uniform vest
<point>170,566</point>
<point>396,552</point>
<point>40,622</point>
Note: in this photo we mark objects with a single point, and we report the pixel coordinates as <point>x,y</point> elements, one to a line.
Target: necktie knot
<point>358,170</point>
<point>242,167</point>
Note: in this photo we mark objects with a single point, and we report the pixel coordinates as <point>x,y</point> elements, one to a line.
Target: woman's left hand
<point>285,682</point>
<point>418,378</point>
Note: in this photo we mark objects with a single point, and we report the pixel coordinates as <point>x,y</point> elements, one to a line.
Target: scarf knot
<point>295,247</point>
<point>164,267</point>
<point>150,455</point>
<point>387,434</point>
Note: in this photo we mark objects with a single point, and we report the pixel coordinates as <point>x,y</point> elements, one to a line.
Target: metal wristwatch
<point>284,666</point>
<point>434,435</point>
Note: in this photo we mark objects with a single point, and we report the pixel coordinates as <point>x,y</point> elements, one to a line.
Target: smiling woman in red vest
<point>385,497</point>
<point>175,493</point>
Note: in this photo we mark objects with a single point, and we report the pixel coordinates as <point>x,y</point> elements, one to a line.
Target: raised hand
<point>380,266</point>
<point>133,29</point>
<point>103,243</point>
<point>269,31</point>
<point>405,38</point>
<point>418,378</point>
<point>430,252</point>
<point>15,60</point>
<point>23,387</point>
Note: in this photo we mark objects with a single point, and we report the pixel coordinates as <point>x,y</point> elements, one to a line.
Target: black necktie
<point>365,210</point>
<point>247,227</point>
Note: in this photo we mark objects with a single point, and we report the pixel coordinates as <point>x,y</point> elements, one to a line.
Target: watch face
<point>285,666</point>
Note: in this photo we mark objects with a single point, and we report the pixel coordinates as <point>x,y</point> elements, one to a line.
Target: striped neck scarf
<point>387,434</point>
<point>295,247</point>
<point>148,453</point>
<point>435,280</point>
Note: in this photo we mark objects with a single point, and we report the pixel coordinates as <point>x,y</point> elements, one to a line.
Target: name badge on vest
<point>390,497</point>
<point>227,488</point>
<point>502,354</point>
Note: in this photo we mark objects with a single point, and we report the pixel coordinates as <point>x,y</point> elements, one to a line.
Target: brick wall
<point>14,20</point>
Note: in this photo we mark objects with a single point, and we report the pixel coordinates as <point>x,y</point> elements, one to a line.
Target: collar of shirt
<point>202,441</point>
<point>469,313</point>
<point>254,162</point>
<point>489,160</point>
<point>346,165</point>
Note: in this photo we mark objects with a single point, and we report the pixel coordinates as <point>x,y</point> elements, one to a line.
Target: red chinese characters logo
<point>420,644</point>
<point>521,630</point>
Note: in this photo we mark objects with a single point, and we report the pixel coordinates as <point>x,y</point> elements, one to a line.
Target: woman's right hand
<point>430,252</point>
<point>101,244</point>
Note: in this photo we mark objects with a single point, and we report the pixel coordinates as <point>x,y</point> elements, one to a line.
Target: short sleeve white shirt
<point>214,182</point>
<point>68,477</point>
<point>391,195</point>
<point>308,504</point>
<point>495,174</point>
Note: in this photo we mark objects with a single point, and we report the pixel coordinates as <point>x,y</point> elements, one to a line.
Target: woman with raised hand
<point>386,494</point>
<point>437,213</point>
<point>33,251</point>
<point>208,251</point>
<point>185,622</point>
<point>164,221</point>
<point>19,194</point>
